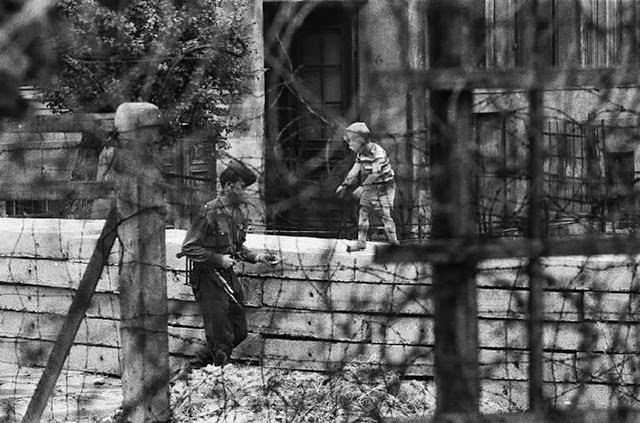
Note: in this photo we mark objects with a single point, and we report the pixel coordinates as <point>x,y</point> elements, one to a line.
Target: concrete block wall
<point>323,307</point>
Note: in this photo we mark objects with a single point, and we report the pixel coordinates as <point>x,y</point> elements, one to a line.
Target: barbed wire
<point>334,336</point>
<point>392,320</point>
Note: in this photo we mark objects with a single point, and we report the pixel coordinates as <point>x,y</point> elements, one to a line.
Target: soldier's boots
<point>220,358</point>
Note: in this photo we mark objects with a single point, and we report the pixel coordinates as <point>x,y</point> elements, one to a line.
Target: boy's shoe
<point>357,246</point>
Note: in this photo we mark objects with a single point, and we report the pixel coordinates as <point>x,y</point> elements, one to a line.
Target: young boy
<point>378,189</point>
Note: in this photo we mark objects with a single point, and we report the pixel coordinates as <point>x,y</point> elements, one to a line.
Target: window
<point>585,33</point>
<point>34,208</point>
<point>308,83</point>
<point>501,185</point>
<point>608,32</point>
<point>619,174</point>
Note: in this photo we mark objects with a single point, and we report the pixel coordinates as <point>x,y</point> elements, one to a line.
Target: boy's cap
<point>241,170</point>
<point>358,128</point>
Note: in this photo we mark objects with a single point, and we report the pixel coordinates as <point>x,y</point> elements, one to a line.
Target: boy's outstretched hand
<point>340,190</point>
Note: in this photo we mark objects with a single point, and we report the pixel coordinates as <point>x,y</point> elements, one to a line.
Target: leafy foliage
<point>188,58</point>
<point>23,53</point>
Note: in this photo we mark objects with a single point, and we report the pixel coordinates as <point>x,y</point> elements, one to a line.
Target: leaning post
<point>142,281</point>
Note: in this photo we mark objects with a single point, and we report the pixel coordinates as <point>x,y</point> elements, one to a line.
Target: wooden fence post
<point>142,282</point>
<point>536,231</point>
<point>452,41</point>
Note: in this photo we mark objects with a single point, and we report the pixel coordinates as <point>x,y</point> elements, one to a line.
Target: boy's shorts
<point>378,197</point>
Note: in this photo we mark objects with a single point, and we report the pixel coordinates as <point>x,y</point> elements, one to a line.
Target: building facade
<point>322,63</point>
<point>319,65</point>
<point>592,153</point>
<point>328,63</point>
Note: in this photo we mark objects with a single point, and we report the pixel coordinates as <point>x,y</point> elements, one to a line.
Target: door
<point>309,88</point>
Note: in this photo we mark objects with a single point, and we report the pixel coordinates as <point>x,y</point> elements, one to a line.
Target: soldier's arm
<point>247,254</point>
<point>252,256</point>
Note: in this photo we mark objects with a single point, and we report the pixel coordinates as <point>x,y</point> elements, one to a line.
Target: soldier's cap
<point>358,128</point>
<point>238,169</point>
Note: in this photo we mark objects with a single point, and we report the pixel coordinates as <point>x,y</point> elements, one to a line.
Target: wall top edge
<point>315,1</point>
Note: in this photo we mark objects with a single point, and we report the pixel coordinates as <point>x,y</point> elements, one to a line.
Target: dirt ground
<point>235,393</point>
<point>77,397</point>
<point>238,393</point>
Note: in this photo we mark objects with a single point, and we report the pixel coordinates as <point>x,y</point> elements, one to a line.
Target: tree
<point>187,57</point>
<point>24,25</point>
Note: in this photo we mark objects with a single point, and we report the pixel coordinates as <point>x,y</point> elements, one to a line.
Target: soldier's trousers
<point>225,322</point>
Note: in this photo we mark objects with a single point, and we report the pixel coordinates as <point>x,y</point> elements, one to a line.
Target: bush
<point>188,58</point>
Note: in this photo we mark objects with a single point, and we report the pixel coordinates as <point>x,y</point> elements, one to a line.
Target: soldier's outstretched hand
<point>269,258</point>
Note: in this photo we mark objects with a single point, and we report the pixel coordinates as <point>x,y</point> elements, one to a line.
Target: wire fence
<point>326,340</point>
<point>589,189</point>
<point>338,336</point>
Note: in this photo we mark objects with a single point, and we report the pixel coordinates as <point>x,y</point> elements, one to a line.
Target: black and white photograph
<point>319,211</point>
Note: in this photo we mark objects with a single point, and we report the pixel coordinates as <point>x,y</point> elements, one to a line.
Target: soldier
<point>214,243</point>
<point>377,191</point>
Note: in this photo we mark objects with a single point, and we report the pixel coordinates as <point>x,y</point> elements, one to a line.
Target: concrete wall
<point>323,307</point>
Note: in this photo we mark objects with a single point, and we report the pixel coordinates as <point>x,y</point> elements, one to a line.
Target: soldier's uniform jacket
<point>218,230</point>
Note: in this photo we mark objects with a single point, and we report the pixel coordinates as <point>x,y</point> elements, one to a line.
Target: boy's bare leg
<point>387,205</point>
<point>363,228</point>
<point>389,227</point>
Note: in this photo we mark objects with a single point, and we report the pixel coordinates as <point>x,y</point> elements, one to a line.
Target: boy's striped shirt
<point>373,159</point>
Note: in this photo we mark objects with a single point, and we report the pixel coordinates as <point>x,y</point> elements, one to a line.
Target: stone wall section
<point>323,307</point>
